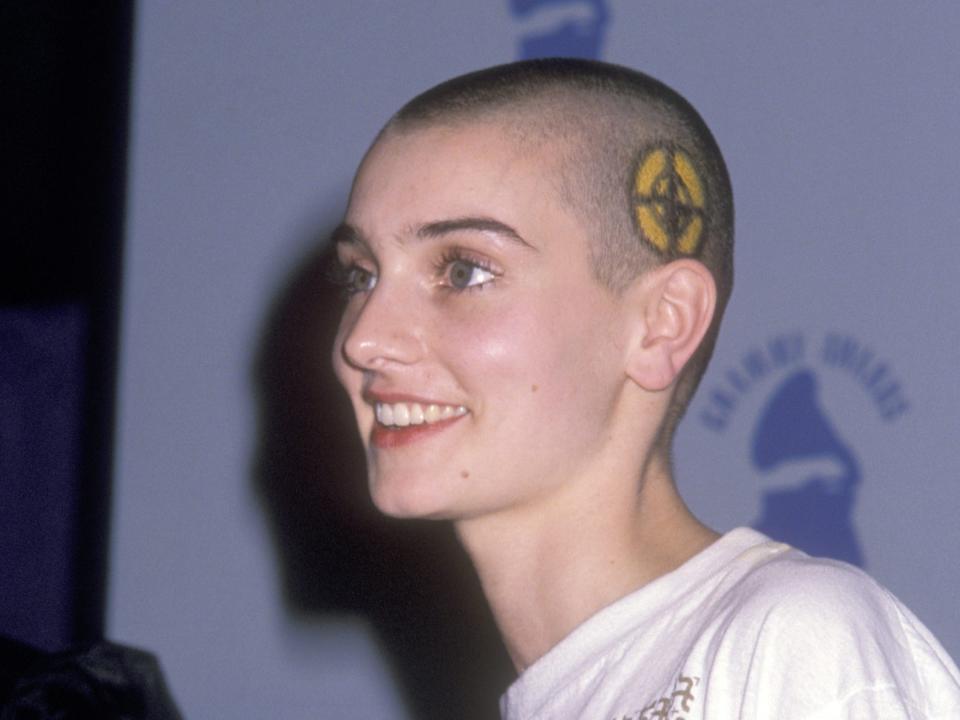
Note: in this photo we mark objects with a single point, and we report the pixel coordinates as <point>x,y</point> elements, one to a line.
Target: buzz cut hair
<point>634,161</point>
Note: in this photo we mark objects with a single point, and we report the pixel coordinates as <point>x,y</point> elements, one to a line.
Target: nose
<point>381,330</point>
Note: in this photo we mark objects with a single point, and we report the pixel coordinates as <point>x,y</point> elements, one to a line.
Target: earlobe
<point>674,305</point>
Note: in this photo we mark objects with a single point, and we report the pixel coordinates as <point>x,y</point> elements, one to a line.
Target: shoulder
<point>795,586</point>
<point>818,607</point>
<point>806,609</point>
<point>811,632</point>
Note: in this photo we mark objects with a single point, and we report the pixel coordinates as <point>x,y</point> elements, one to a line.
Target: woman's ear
<point>673,306</point>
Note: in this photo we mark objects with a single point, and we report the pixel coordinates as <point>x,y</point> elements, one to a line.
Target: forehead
<point>428,174</point>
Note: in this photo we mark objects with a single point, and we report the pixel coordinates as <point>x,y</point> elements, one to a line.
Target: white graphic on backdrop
<point>570,28</point>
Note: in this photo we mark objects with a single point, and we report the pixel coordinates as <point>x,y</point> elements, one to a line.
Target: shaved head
<point>630,156</point>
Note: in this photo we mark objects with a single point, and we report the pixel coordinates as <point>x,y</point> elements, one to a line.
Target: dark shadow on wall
<point>410,579</point>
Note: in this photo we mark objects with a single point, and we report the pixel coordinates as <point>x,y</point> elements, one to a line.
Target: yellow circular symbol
<point>669,201</point>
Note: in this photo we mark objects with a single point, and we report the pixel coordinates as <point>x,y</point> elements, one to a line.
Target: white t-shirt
<point>748,628</point>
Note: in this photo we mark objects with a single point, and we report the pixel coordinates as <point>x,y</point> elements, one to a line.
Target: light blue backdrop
<point>839,124</point>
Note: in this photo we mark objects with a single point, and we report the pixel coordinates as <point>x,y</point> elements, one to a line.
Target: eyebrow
<point>477,224</point>
<point>345,234</point>
<point>350,235</point>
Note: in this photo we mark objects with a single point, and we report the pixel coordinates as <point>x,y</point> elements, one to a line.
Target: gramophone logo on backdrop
<point>571,28</point>
<point>795,426</point>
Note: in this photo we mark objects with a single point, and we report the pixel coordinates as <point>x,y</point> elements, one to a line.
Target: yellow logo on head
<point>669,201</point>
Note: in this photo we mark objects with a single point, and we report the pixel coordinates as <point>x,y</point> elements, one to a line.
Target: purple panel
<point>41,386</point>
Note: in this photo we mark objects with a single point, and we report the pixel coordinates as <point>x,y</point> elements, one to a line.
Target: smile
<point>404,414</point>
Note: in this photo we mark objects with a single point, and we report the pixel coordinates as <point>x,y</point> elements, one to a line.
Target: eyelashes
<point>460,271</point>
<point>455,271</point>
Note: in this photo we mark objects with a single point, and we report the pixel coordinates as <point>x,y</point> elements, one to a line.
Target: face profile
<point>478,349</point>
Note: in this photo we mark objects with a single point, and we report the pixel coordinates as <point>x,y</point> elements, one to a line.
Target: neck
<point>547,569</point>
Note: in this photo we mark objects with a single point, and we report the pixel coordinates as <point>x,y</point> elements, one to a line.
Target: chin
<point>405,499</point>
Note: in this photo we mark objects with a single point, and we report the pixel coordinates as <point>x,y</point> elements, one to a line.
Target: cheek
<point>540,360</point>
<point>495,346</point>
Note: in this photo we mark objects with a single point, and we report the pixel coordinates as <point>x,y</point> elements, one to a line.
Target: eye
<point>358,280</point>
<point>459,273</point>
<point>463,274</point>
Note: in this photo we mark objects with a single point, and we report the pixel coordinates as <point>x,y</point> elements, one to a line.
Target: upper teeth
<point>403,414</point>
